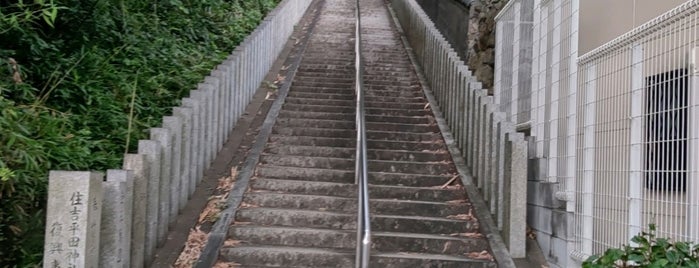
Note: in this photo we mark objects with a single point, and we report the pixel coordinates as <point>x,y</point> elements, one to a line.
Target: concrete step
<point>397,119</point>
<point>316,115</point>
<point>315,151</point>
<point>347,176</point>
<point>344,122</point>
<point>287,256</point>
<point>347,221</point>
<point>350,142</point>
<point>321,96</point>
<point>279,256</point>
<point>315,132</point>
<point>319,82</point>
<point>394,93</point>
<point>402,260</point>
<point>340,152</point>
<point>320,107</point>
<point>428,194</point>
<point>349,205</point>
<point>427,168</point>
<point>314,101</point>
<point>324,90</point>
<point>395,112</point>
<point>370,98</point>
<point>398,127</point>
<point>394,105</point>
<point>315,123</point>
<point>308,162</point>
<point>338,76</point>
<point>403,136</point>
<point>345,239</point>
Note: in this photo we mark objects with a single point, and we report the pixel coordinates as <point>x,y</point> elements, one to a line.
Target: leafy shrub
<point>649,251</point>
<point>70,73</point>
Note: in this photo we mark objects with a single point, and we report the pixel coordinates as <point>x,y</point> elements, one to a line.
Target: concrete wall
<point>604,20</point>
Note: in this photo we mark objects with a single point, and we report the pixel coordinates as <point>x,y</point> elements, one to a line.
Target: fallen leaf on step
<point>483,255</point>
<point>192,249</point>
<point>458,201</point>
<point>445,185</point>
<point>427,106</point>
<point>463,217</point>
<point>248,205</point>
<point>279,79</point>
<point>221,264</point>
<point>468,235</point>
<point>530,233</point>
<point>231,243</point>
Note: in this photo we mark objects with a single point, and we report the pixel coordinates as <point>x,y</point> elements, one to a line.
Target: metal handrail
<point>361,174</point>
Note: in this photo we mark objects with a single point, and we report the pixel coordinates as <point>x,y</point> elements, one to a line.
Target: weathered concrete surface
<point>302,205</point>
<point>117,214</point>
<point>73,218</point>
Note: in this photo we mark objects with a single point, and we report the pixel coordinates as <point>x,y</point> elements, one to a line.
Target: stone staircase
<point>300,210</point>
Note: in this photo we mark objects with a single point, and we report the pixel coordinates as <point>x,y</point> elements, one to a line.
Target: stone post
<point>73,214</point>
<point>117,211</point>
<point>197,160</point>
<point>185,116</point>
<point>153,152</point>
<point>214,83</point>
<point>515,183</point>
<point>164,139</point>
<point>174,125</point>
<point>138,165</point>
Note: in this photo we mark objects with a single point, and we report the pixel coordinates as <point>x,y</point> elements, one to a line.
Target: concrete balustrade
<point>122,221</point>
<point>493,151</point>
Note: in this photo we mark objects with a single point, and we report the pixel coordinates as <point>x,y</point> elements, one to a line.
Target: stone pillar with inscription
<point>73,219</point>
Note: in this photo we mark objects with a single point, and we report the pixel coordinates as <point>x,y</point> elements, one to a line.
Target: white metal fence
<point>617,128</point>
<point>536,82</point>
<point>513,59</point>
<point>638,144</point>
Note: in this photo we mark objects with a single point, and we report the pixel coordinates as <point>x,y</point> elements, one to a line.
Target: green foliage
<point>68,72</point>
<point>649,251</point>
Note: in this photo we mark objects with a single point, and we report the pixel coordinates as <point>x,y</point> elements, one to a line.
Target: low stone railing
<point>121,221</point>
<point>492,149</point>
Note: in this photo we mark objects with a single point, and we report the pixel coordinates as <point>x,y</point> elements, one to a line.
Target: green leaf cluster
<point>648,251</point>
<point>68,72</point>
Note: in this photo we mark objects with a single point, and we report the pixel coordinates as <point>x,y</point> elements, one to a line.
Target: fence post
<point>539,87</point>
<point>500,127</point>
<point>636,142</point>
<point>73,213</point>
<point>515,185</point>
<point>185,116</point>
<point>552,166</point>
<point>153,153</point>
<point>174,125</point>
<point>588,178</point>
<point>117,212</point>
<point>572,145</point>
<point>488,151</point>
<point>483,153</point>
<point>137,164</point>
<point>203,95</point>
<point>164,138</point>
<point>514,97</point>
<point>214,85</point>
<point>197,145</point>
<point>693,150</point>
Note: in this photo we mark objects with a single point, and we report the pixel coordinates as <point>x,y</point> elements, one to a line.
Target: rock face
<point>481,39</point>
